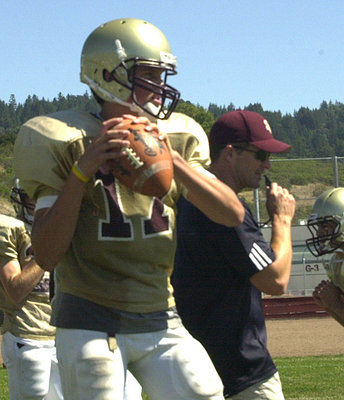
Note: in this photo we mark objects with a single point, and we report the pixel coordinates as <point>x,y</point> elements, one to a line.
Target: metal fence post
<point>256,204</point>
<point>335,171</point>
<point>304,275</point>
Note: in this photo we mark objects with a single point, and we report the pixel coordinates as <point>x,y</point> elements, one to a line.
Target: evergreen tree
<point>311,133</point>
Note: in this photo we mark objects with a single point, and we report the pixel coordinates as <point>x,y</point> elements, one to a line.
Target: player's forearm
<point>21,284</point>
<point>215,199</point>
<point>53,228</point>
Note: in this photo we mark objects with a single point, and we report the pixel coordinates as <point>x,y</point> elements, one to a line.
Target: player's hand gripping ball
<point>147,166</point>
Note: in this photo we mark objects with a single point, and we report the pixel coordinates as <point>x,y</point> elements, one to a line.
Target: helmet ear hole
<point>107,76</point>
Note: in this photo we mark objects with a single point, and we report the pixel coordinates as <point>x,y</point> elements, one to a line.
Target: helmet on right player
<point>326,223</point>
<point>23,206</point>
<point>112,61</point>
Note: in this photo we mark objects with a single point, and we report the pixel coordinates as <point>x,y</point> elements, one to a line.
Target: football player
<point>326,225</point>
<point>113,248</point>
<point>27,347</point>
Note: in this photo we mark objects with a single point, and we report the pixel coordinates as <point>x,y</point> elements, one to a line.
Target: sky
<point>283,54</point>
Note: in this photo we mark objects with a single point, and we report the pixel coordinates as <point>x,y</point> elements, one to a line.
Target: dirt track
<point>305,337</point>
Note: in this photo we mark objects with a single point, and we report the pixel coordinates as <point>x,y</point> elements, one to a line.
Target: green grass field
<point>303,378</point>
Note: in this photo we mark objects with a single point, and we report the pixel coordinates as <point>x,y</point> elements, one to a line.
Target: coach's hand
<point>279,202</point>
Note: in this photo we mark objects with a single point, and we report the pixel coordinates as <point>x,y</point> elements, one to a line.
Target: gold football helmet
<point>326,222</point>
<point>112,56</point>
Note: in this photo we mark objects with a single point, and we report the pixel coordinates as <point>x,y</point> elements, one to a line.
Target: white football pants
<point>169,364</point>
<point>32,368</point>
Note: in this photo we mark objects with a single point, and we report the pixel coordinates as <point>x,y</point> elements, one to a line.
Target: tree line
<point>311,132</point>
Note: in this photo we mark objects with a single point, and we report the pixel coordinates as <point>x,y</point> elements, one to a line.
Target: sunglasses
<point>260,155</point>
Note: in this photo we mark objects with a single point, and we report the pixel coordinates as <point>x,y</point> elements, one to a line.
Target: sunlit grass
<point>312,378</point>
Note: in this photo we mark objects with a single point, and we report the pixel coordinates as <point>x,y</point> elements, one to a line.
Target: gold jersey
<point>122,252</point>
<point>30,319</point>
<point>335,269</point>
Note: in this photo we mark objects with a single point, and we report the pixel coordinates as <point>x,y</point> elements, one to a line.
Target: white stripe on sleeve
<point>259,258</point>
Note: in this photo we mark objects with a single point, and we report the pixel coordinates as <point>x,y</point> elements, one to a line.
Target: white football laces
<point>134,159</point>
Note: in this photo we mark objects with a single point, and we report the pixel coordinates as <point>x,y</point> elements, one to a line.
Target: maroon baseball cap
<point>241,126</point>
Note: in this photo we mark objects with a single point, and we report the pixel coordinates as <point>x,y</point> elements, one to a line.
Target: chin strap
<point>96,87</point>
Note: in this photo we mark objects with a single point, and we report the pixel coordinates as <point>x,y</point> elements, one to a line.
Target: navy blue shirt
<point>215,298</point>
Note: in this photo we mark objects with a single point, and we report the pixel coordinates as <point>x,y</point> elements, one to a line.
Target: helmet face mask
<point>326,224</point>
<point>143,75</point>
<point>23,206</point>
<point>123,47</point>
<point>325,232</point>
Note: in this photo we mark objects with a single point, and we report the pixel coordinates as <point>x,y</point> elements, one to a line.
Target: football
<point>147,166</point>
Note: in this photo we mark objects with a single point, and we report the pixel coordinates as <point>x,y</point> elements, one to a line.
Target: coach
<point>220,272</point>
